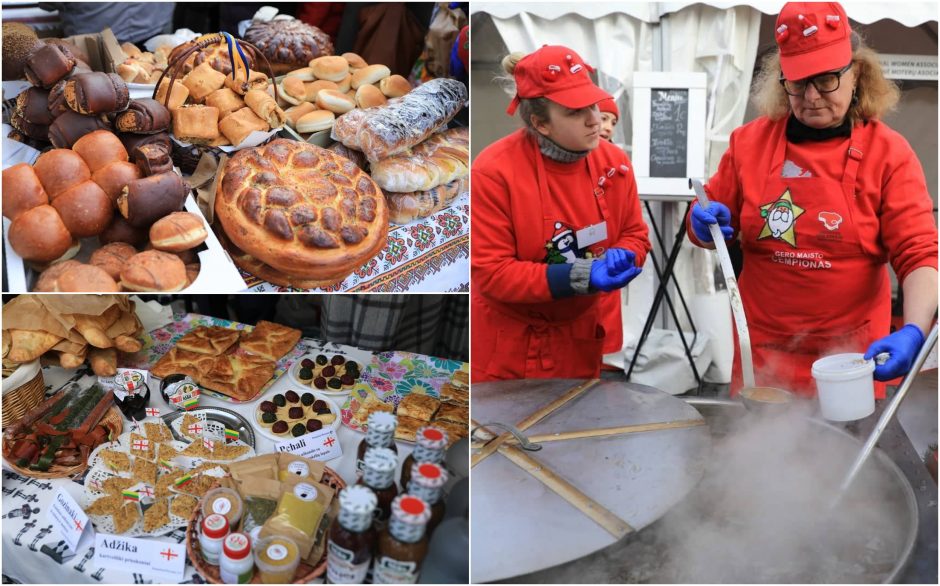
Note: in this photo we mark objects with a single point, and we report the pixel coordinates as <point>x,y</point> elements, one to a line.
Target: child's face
<point>608,121</point>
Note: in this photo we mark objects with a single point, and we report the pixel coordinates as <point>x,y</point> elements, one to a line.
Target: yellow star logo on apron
<point>780,218</point>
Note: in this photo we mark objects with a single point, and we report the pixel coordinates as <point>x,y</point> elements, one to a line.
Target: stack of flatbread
<point>70,329</point>
<point>228,361</point>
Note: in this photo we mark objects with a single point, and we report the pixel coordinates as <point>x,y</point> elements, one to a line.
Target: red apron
<point>809,289</point>
<point>557,339</point>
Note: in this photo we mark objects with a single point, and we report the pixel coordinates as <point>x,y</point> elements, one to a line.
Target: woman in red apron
<point>822,195</point>
<point>556,221</point>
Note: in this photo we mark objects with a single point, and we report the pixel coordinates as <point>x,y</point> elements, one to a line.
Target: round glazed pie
<point>304,211</point>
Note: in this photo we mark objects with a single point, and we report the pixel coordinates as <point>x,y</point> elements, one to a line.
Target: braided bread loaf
<point>289,44</point>
<point>303,210</point>
<point>440,159</point>
<point>404,122</point>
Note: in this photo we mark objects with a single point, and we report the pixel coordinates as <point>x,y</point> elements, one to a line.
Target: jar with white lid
<point>213,530</point>
<point>237,563</point>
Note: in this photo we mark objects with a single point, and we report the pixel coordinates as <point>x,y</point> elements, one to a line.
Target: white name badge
<point>590,235</point>
<point>69,518</point>
<point>320,445</point>
<point>158,559</point>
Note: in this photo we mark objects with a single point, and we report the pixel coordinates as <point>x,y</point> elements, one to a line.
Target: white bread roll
<point>394,86</point>
<point>293,91</point>
<point>369,96</point>
<point>355,61</point>
<point>335,101</point>
<point>370,75</point>
<point>345,84</point>
<point>294,114</point>
<point>330,68</point>
<point>315,121</point>
<point>314,87</point>
<point>304,73</point>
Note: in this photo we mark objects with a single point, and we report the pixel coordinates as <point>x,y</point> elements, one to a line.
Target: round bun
<point>85,279</point>
<point>85,209</point>
<point>18,42</point>
<point>60,169</point>
<point>335,101</point>
<point>40,235</point>
<point>394,86</point>
<point>369,96</point>
<point>22,190</point>
<point>153,271</point>
<point>294,113</point>
<point>192,271</point>
<point>177,232</point>
<point>355,61</point>
<point>369,75</point>
<point>120,230</point>
<point>345,84</point>
<point>332,68</point>
<point>100,148</point>
<point>292,90</point>
<point>304,74</point>
<point>315,121</point>
<point>315,87</point>
<point>47,279</point>
<point>113,177</point>
<point>111,258</point>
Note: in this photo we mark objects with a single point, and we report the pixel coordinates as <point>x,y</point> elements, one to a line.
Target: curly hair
<point>876,94</point>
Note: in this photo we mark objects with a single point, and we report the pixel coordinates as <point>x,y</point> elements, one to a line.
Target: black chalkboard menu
<point>669,131</point>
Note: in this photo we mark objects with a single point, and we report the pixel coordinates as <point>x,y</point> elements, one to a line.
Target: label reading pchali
<point>391,571</point>
<point>340,568</point>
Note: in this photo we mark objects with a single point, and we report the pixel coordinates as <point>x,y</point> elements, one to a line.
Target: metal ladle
<point>887,414</point>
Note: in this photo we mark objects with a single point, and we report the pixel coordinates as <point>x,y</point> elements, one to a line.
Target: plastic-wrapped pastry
<point>404,122</point>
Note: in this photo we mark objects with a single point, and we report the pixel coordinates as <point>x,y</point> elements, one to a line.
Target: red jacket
<point>817,284</point>
<point>520,329</point>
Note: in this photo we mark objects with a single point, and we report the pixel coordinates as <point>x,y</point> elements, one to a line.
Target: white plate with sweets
<point>295,413</point>
<point>330,373</point>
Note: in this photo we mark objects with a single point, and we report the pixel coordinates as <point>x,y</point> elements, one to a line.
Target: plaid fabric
<point>436,325</point>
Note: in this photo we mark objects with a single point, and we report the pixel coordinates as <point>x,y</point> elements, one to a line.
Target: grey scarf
<point>554,152</point>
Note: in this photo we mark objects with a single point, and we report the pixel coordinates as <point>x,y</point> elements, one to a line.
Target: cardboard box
<point>217,273</point>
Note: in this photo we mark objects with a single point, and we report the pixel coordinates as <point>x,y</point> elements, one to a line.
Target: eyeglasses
<point>824,83</point>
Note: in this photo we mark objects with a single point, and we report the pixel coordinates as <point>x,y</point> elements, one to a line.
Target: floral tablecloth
<point>432,254</point>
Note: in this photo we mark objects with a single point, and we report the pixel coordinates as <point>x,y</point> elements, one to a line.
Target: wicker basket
<point>22,390</point>
<point>112,420</point>
<point>304,573</point>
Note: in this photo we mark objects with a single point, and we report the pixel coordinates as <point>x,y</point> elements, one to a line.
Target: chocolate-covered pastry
<point>48,64</point>
<point>132,141</point>
<point>56,100</point>
<point>120,231</point>
<point>35,131</point>
<point>71,126</point>
<point>33,106</point>
<point>97,93</point>
<point>144,116</point>
<point>145,201</point>
<point>153,159</point>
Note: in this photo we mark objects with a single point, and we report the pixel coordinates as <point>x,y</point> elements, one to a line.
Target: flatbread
<point>157,515</point>
<point>455,431</point>
<point>189,419</point>
<point>158,432</point>
<point>238,376</point>
<point>455,413</point>
<point>27,345</point>
<point>179,361</point>
<point>145,471</point>
<point>148,453</point>
<point>408,427</point>
<point>418,406</point>
<point>270,340</point>
<point>117,461</point>
<point>211,340</point>
<point>106,505</point>
<point>183,506</point>
<point>126,518</point>
<point>116,484</point>
<point>367,407</point>
<point>461,379</point>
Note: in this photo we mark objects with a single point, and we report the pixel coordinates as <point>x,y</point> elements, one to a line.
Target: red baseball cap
<point>609,106</point>
<point>556,73</point>
<point>813,37</point>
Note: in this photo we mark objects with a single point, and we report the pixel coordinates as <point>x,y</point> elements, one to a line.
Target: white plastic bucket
<point>846,386</point>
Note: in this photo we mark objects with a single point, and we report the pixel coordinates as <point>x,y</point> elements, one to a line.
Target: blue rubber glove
<point>606,273</point>
<point>903,346</point>
<point>716,213</point>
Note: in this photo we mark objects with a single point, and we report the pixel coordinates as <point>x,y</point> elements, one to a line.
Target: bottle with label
<point>180,392</point>
<point>237,565</point>
<point>427,483</point>
<point>380,433</point>
<point>403,544</point>
<point>430,443</point>
<point>379,475</point>
<point>131,393</point>
<point>352,538</point>
<point>214,528</point>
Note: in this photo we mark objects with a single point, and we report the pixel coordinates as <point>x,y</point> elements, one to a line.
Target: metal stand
<point>665,275</point>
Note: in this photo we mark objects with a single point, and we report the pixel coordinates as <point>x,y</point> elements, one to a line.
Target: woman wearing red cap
<point>556,219</point>
<point>610,115</point>
<point>822,194</point>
